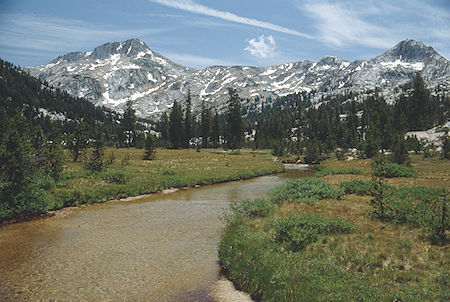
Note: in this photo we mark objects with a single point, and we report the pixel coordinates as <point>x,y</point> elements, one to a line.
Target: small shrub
<point>296,232</point>
<point>150,148</point>
<point>235,152</point>
<point>394,170</point>
<point>250,208</point>
<point>357,186</point>
<point>116,176</point>
<point>306,190</point>
<point>168,171</point>
<point>340,155</point>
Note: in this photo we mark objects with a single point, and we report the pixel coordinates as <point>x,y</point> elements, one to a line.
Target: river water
<point>158,248</point>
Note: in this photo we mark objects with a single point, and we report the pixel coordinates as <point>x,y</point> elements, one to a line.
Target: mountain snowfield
<point>115,73</point>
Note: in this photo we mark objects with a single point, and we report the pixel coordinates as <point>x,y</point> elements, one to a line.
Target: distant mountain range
<point>115,73</point>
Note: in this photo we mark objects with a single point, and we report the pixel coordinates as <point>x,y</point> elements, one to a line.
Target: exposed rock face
<point>115,73</point>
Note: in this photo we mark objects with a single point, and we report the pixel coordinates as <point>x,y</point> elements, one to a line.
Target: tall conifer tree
<point>205,125</point>
<point>176,126</point>
<point>188,121</point>
<point>234,121</point>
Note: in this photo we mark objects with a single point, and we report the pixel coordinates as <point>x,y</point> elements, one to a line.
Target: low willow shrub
<point>168,171</point>
<point>307,190</point>
<point>115,176</point>
<point>296,232</point>
<point>421,207</point>
<point>394,170</point>
<point>250,208</point>
<point>27,200</point>
<point>357,186</point>
<point>234,152</point>
<point>326,171</point>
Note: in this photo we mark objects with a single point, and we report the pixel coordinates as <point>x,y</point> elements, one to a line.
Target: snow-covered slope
<point>114,73</point>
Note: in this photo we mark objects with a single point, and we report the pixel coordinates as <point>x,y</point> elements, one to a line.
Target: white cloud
<point>191,6</point>
<point>340,25</point>
<point>262,47</point>
<point>376,23</point>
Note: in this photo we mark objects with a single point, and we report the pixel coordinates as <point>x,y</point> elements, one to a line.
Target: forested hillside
<point>292,123</point>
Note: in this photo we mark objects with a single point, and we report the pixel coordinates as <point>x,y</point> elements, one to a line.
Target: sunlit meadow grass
<point>376,261</point>
<point>129,175</point>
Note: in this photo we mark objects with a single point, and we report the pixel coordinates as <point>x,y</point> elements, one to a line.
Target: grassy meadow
<point>127,174</point>
<point>292,247</point>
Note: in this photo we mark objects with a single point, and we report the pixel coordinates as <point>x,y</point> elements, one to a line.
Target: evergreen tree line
<point>293,125</point>
<point>182,129</point>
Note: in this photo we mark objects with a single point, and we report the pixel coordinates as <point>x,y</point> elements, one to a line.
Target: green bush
<point>419,207</point>
<point>326,171</point>
<point>168,171</point>
<point>296,232</point>
<point>357,186</point>
<point>25,200</point>
<point>413,205</point>
<point>116,176</point>
<point>235,152</point>
<point>394,170</point>
<point>250,208</point>
<point>307,190</point>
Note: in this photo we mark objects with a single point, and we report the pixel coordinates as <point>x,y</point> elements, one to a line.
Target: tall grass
<point>327,171</point>
<point>307,190</point>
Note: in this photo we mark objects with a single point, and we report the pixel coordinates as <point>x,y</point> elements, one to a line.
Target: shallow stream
<point>158,248</point>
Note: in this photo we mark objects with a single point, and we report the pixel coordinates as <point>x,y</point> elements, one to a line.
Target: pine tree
<point>421,116</point>
<point>445,146</point>
<point>150,148</point>
<point>77,139</point>
<point>163,128</point>
<point>188,121</point>
<point>128,124</point>
<point>215,131</point>
<point>176,126</point>
<point>379,187</point>
<point>312,153</point>
<point>400,152</point>
<point>52,154</point>
<point>234,121</point>
<point>96,163</point>
<point>205,125</point>
<point>17,156</point>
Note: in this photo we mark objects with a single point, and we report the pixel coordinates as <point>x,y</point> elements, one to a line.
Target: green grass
<point>332,250</point>
<point>321,171</point>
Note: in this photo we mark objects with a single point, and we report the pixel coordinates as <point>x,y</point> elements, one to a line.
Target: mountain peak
<point>330,60</point>
<point>127,48</point>
<point>410,50</point>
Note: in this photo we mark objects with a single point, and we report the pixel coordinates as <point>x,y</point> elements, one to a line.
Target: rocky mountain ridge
<point>115,73</point>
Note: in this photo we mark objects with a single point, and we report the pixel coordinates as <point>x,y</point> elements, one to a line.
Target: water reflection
<point>159,248</point>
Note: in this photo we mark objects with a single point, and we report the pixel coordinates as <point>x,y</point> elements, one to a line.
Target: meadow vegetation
<point>125,173</point>
<point>329,247</point>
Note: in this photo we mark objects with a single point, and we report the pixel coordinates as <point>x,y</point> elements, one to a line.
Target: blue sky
<point>199,33</point>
